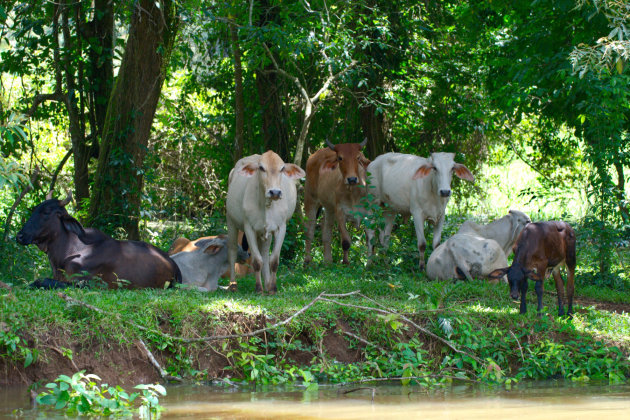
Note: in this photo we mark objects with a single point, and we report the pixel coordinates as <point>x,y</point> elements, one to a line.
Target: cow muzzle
<point>22,239</point>
<point>514,295</point>
<point>353,180</point>
<point>445,193</point>
<point>274,194</point>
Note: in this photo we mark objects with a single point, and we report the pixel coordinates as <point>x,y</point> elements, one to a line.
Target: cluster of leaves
<point>81,395</point>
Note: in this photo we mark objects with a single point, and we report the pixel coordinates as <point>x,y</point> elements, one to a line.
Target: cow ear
<point>423,171</point>
<point>328,166</point>
<point>498,273</point>
<point>293,171</point>
<point>72,225</point>
<point>463,172</point>
<point>364,161</point>
<point>211,246</point>
<point>248,170</point>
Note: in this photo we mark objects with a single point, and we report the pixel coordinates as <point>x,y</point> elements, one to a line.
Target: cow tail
<point>178,276</point>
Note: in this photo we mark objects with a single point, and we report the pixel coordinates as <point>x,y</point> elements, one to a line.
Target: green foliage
<point>81,395</point>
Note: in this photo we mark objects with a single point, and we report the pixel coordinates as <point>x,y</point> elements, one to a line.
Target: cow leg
<point>524,285</point>
<point>310,213</point>
<point>265,244</point>
<point>275,259</point>
<point>232,250</point>
<point>540,287</point>
<point>384,235</point>
<point>570,289</point>
<point>559,289</point>
<point>343,232</point>
<point>418,221</point>
<point>369,238</point>
<point>437,232</point>
<point>329,219</point>
<point>257,261</point>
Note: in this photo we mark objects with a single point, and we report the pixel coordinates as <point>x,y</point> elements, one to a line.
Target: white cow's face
<point>270,169</point>
<point>519,220</point>
<point>441,167</point>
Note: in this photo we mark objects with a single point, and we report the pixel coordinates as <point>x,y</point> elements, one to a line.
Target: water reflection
<point>551,400</point>
<point>554,400</point>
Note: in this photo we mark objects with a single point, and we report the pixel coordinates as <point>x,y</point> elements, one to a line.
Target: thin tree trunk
<point>75,116</point>
<point>373,125</point>
<point>621,192</point>
<point>118,180</point>
<point>239,105</point>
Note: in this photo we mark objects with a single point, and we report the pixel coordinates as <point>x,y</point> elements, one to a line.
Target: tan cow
<point>335,180</point>
<point>416,186</point>
<point>476,250</point>
<point>260,200</point>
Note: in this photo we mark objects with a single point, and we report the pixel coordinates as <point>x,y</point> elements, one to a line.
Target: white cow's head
<point>270,169</point>
<point>441,167</point>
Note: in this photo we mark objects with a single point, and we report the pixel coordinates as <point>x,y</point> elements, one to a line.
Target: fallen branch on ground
<point>156,364</point>
<point>321,297</point>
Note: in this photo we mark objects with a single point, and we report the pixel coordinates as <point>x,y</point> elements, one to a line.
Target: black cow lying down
<point>77,253</point>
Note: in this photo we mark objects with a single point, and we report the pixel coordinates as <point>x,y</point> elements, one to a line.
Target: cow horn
<point>66,200</point>
<point>364,142</point>
<point>49,195</point>
<point>330,145</point>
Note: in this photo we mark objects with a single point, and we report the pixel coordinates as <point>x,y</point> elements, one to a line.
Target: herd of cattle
<point>261,198</point>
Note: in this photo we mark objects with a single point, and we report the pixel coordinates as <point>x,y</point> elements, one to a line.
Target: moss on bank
<point>329,342</point>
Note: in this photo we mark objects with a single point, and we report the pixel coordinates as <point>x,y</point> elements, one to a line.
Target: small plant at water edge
<point>81,395</point>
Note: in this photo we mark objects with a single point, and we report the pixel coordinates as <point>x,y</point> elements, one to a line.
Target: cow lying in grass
<point>81,254</point>
<point>204,260</point>
<point>477,250</point>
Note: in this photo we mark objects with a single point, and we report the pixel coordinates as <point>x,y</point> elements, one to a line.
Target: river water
<point>553,400</point>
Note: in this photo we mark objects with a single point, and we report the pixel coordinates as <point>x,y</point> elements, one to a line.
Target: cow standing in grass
<point>542,248</point>
<point>416,186</point>
<point>335,180</point>
<point>261,199</point>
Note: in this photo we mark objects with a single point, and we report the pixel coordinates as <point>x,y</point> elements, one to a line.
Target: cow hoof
<point>421,266</point>
<point>345,262</point>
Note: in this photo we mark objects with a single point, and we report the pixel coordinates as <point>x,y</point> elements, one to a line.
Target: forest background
<point>141,108</point>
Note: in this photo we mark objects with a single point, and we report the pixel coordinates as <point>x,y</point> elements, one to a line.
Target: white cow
<point>261,198</point>
<point>417,186</point>
<point>477,250</point>
<point>204,261</point>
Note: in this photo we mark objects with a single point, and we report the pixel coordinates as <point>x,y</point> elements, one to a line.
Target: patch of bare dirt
<point>604,306</point>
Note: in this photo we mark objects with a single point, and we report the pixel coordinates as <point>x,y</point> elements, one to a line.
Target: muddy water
<point>549,400</point>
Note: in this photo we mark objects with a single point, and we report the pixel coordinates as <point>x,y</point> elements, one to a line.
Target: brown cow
<point>541,248</point>
<point>335,180</point>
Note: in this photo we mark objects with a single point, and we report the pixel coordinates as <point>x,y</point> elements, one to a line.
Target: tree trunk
<point>80,149</point>
<point>119,175</point>
<point>621,193</point>
<point>275,128</point>
<point>373,124</point>
<point>239,105</point>
<point>101,61</point>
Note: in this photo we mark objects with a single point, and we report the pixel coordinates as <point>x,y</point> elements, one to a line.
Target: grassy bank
<point>479,335</point>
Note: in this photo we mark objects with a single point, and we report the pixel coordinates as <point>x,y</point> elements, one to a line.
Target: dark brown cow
<point>541,248</point>
<point>335,180</point>
<point>78,253</point>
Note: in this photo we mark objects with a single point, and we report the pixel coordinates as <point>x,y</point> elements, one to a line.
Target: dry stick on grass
<point>156,364</point>
<point>364,341</point>
<point>519,346</point>
<point>321,297</point>
<point>413,324</point>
